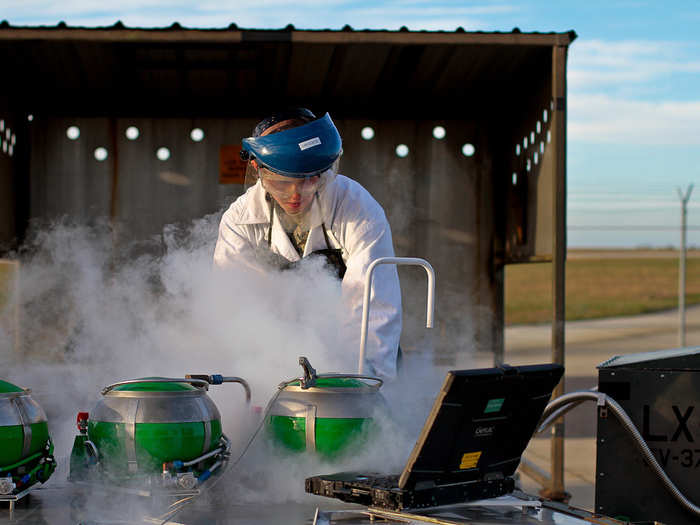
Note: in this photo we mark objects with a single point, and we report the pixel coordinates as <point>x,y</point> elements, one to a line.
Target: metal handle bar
<point>217,379</point>
<point>242,382</point>
<point>398,261</point>
<point>194,382</point>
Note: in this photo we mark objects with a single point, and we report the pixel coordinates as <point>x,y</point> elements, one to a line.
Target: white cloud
<point>392,14</point>
<point>596,63</point>
<point>601,118</point>
<point>628,92</point>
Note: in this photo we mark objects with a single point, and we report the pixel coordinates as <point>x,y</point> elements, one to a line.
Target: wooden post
<point>556,490</point>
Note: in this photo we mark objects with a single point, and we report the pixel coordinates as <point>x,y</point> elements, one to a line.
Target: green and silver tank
<point>25,446</point>
<point>164,429</point>
<point>327,414</point>
<point>138,426</point>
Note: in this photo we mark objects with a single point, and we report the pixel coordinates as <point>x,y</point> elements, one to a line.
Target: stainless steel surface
<point>242,382</point>
<point>204,414</point>
<point>10,404</point>
<point>130,428</point>
<point>165,407</point>
<point>26,425</point>
<point>329,402</point>
<point>199,383</point>
<point>310,427</point>
<point>399,261</point>
<point>60,503</point>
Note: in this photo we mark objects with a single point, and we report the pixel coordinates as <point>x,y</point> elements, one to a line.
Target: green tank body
<point>25,445</point>
<point>329,418</point>
<point>139,426</point>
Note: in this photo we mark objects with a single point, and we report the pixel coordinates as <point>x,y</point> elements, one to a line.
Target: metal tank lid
<point>8,388</point>
<point>159,386</point>
<point>334,382</point>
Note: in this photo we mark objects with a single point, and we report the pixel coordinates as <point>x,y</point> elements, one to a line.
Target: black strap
<point>272,211</point>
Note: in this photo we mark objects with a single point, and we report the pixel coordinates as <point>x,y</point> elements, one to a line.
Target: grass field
<point>601,284</point>
<point>6,273</point>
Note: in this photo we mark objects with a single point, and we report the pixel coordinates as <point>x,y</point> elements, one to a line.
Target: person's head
<point>293,154</point>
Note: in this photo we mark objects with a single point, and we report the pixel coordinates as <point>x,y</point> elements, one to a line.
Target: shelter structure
<point>461,137</point>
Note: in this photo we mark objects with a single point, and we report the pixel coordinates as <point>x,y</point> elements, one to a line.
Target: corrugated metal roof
<point>232,71</point>
<point>514,36</point>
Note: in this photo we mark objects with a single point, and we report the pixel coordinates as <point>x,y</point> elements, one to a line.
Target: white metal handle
<point>398,261</point>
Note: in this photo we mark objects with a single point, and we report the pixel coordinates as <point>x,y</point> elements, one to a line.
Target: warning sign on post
<point>231,166</point>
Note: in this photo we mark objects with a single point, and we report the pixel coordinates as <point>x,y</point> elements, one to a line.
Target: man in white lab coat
<point>299,207</point>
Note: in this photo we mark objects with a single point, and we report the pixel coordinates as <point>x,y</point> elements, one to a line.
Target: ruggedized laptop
<point>469,447</point>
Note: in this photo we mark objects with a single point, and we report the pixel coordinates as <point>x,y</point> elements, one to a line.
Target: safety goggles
<point>281,186</point>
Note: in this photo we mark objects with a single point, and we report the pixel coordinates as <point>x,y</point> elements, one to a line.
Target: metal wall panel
<point>66,179</point>
<point>436,199</point>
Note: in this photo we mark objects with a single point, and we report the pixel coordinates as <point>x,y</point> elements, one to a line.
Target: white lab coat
<point>357,225</point>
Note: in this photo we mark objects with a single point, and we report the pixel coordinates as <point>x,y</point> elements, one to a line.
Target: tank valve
<point>186,480</point>
<point>309,378</point>
<point>82,422</point>
<point>6,485</point>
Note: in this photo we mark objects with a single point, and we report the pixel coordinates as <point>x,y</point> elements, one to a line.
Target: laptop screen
<point>480,424</point>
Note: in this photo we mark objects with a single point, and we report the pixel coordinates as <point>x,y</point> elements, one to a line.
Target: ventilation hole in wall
<point>197,134</point>
<point>532,137</point>
<point>163,153</point>
<point>549,136</point>
<point>517,150</point>
<point>468,150</point>
<point>551,105</point>
<point>100,154</point>
<point>515,178</point>
<point>402,150</point>
<point>8,134</point>
<point>544,115</point>
<point>542,147</point>
<point>538,126</point>
<point>525,143</point>
<point>529,165</point>
<point>367,133</point>
<point>439,132</point>
<point>132,133</point>
<point>536,158</point>
<point>4,146</point>
<point>2,126</point>
<point>11,150</point>
<point>73,132</point>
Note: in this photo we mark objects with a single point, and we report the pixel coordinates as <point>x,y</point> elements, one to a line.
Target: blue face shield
<point>298,152</point>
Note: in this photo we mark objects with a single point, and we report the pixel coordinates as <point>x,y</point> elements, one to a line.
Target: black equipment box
<point>660,391</point>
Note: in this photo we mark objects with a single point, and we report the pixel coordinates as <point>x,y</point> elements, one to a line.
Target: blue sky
<point>634,86</point>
